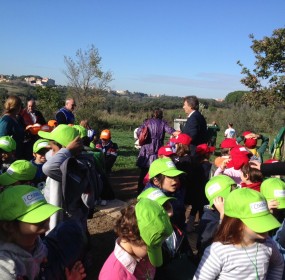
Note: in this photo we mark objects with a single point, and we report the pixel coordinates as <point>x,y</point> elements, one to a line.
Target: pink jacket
<point>120,265</point>
<point>231,172</point>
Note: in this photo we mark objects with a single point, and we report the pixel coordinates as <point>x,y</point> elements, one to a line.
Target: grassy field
<point>128,154</point>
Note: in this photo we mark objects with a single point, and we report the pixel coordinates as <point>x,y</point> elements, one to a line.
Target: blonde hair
<point>12,104</point>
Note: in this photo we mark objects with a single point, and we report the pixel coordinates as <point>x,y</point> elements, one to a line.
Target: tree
<point>50,99</point>
<point>84,73</point>
<point>266,81</point>
<point>235,96</point>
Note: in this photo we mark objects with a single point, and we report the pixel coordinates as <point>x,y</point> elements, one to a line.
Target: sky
<point>175,48</point>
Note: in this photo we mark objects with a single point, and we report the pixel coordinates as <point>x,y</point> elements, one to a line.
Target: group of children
<point>45,202</point>
<point>240,235</point>
<point>240,212</point>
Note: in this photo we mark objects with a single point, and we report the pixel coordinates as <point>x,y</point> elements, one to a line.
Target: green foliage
<point>235,97</point>
<point>266,81</point>
<point>49,101</point>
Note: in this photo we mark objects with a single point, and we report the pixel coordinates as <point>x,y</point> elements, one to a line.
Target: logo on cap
<point>170,164</point>
<point>155,195</point>
<point>258,207</point>
<point>214,188</point>
<point>279,193</point>
<point>32,197</point>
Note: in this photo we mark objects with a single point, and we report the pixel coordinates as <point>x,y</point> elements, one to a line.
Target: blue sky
<point>176,48</point>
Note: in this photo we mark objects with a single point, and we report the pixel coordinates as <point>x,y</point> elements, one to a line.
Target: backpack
<point>81,183</point>
<point>144,135</point>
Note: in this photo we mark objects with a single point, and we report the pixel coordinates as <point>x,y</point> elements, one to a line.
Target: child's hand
<point>75,146</point>
<point>272,204</point>
<point>77,272</point>
<point>219,204</point>
<point>224,164</point>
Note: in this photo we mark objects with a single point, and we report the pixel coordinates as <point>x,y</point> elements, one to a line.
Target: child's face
<point>250,236</point>
<point>40,156</point>
<point>244,177</point>
<point>26,233</point>
<point>139,251</point>
<point>170,184</point>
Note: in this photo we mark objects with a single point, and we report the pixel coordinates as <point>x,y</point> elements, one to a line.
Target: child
<point>19,172</point>
<point>176,245</point>
<point>216,190</point>
<point>250,142</point>
<point>231,167</point>
<point>251,177</point>
<point>273,190</point>
<point>226,146</point>
<point>24,216</point>
<point>141,230</point>
<point>163,152</point>
<point>40,148</point>
<point>165,176</point>
<point>109,149</point>
<point>242,248</point>
<point>158,196</point>
<point>7,150</point>
<point>202,172</point>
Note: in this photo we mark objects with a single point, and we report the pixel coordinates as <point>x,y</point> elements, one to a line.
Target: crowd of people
<point>237,201</point>
<point>54,173</point>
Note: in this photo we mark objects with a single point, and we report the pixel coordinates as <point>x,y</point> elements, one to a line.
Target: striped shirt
<point>229,262</point>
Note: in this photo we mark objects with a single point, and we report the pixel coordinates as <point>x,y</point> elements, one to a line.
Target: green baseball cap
<point>40,144</point>
<point>7,143</point>
<point>163,166</point>
<point>219,185</point>
<point>154,226</point>
<point>82,130</point>
<point>26,204</point>
<point>274,188</point>
<point>62,134</point>
<point>251,208</point>
<point>19,170</point>
<point>156,195</point>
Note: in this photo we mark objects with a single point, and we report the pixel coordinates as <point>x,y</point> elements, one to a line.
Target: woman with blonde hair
<point>10,125</point>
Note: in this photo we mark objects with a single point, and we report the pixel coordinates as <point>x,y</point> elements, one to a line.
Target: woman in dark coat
<point>157,127</point>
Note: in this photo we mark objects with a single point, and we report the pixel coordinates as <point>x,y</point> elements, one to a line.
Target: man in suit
<point>196,126</point>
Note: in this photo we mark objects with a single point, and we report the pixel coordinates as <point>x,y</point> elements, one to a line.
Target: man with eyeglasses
<point>65,114</point>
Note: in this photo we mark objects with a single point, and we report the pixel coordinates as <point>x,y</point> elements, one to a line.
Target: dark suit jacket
<point>196,128</point>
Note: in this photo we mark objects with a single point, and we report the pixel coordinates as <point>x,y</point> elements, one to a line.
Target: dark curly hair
<point>127,227</point>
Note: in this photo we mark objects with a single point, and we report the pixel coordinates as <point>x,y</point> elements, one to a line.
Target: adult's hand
<point>176,133</point>
<point>255,164</point>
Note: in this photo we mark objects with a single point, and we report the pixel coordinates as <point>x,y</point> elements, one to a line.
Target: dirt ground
<point>124,184</point>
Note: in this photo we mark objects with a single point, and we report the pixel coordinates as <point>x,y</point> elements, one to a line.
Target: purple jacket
<point>148,152</point>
